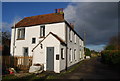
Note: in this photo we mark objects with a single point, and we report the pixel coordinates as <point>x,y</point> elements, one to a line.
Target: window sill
<point>70,41</point>
<point>41,37</point>
<point>21,39</point>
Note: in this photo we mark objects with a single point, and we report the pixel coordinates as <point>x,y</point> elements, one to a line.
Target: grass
<point>43,76</point>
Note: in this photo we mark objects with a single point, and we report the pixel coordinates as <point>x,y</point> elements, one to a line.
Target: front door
<point>25,53</point>
<point>50,58</point>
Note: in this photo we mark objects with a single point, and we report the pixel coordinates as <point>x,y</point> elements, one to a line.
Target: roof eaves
<point>73,30</point>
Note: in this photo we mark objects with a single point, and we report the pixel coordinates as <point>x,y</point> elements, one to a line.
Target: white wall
<point>72,46</point>
<point>40,55</point>
<point>34,31</point>
<point>62,61</point>
<point>56,28</point>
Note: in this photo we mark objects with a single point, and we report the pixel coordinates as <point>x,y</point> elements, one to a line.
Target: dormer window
<point>21,33</point>
<point>42,31</point>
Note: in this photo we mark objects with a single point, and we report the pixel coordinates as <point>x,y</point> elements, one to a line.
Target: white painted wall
<point>34,31</point>
<point>40,55</point>
<point>71,45</point>
<point>62,61</point>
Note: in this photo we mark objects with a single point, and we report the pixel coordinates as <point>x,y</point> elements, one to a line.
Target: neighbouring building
<point>50,39</point>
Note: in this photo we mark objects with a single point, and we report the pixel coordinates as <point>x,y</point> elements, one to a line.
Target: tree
<point>114,43</point>
<point>6,43</point>
<point>87,52</point>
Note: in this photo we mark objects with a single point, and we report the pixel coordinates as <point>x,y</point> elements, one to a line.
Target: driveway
<point>93,69</point>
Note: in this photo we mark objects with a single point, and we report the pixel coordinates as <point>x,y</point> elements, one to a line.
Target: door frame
<point>25,60</point>
<point>47,59</point>
<point>24,52</point>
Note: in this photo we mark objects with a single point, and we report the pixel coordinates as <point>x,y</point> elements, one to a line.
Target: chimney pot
<point>58,10</point>
<point>72,26</point>
<point>55,10</point>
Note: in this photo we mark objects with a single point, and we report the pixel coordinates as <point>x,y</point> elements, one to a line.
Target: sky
<point>98,19</point>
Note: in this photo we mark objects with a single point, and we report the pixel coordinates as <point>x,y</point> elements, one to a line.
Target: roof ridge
<point>42,15</point>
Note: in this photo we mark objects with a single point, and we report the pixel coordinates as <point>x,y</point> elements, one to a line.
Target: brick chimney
<point>72,26</point>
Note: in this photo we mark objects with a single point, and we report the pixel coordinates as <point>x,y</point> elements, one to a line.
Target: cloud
<point>98,20</point>
<point>96,47</point>
<point>7,26</point>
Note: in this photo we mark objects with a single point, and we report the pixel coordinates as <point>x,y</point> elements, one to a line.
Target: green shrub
<point>87,52</point>
<point>111,56</point>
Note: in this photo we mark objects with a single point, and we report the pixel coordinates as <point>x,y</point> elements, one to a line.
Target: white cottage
<point>50,39</point>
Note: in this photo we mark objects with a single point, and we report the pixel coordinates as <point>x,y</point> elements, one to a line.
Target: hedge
<point>111,56</point>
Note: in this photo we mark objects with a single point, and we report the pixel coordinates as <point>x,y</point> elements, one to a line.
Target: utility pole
<point>84,41</point>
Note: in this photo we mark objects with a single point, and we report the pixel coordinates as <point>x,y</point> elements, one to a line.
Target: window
<point>57,57</point>
<point>42,31</point>
<point>25,51</point>
<point>33,40</point>
<point>70,35</point>
<point>70,56</point>
<point>75,38</point>
<point>62,53</point>
<point>80,42</point>
<point>21,33</point>
<point>74,53</point>
<point>80,53</point>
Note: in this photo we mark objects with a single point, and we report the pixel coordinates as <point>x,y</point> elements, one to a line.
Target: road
<point>93,69</point>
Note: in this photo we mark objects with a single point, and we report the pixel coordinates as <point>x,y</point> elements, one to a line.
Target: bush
<point>87,52</point>
<point>111,56</point>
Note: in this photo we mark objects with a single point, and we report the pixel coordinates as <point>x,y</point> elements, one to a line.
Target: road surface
<point>93,69</point>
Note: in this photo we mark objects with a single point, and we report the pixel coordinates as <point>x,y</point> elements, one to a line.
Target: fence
<point>21,63</point>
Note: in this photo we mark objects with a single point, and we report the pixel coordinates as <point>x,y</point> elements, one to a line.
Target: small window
<point>75,38</point>
<point>80,42</point>
<point>42,31</point>
<point>80,53</point>
<point>74,53</point>
<point>33,40</point>
<point>57,57</point>
<point>62,53</point>
<point>70,56</point>
<point>21,33</point>
<point>70,35</point>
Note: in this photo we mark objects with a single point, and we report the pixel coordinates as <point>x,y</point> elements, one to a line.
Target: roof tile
<point>40,19</point>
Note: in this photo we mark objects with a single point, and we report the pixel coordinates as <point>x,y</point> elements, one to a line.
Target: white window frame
<point>32,40</point>
<point>70,35</point>
<point>21,33</point>
<point>62,53</point>
<point>75,38</point>
<point>74,54</point>
<point>42,31</point>
<point>71,55</point>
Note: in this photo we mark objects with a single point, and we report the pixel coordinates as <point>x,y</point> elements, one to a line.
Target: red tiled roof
<point>40,19</point>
